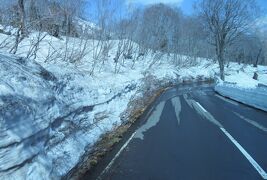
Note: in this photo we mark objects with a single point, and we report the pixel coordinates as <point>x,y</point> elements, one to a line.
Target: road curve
<point>193,133</point>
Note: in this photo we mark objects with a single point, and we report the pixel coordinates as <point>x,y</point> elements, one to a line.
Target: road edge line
<point>246,154</point>
<point>116,156</point>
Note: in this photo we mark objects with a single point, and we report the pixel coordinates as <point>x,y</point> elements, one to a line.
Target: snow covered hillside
<point>53,111</point>
<point>68,84</point>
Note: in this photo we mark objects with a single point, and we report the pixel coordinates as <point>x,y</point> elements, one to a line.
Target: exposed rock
<point>255,76</point>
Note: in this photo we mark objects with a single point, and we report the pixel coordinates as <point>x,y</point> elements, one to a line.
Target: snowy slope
<point>242,75</point>
<point>53,111</point>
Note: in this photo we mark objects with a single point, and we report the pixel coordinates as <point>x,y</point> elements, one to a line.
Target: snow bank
<point>240,86</point>
<point>255,97</point>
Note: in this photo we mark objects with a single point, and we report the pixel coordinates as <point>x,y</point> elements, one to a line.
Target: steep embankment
<point>54,109</point>
<point>50,119</point>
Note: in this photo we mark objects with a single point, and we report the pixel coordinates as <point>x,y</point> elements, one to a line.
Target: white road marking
<point>176,103</point>
<point>191,103</point>
<point>257,125</point>
<point>152,121</point>
<point>117,155</point>
<point>227,100</point>
<point>149,112</point>
<point>203,109</point>
<point>245,153</point>
<point>263,174</point>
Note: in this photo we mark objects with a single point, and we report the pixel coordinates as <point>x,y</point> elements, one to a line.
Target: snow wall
<point>255,97</point>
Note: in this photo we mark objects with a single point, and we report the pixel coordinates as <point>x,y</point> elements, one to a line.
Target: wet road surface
<point>193,133</point>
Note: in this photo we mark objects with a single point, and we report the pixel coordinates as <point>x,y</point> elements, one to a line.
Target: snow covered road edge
<point>255,97</point>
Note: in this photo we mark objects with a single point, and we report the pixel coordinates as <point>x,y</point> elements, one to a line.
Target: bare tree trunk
<point>18,39</point>
<point>258,57</point>
<point>21,32</point>
<point>221,65</point>
<point>22,17</point>
<point>220,56</point>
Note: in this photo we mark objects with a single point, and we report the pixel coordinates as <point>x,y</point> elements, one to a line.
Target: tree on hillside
<point>159,22</point>
<point>22,17</point>
<point>225,20</point>
<point>22,30</point>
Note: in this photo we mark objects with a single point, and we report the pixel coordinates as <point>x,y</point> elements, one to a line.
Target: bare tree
<point>225,20</point>
<point>21,31</point>
<point>22,17</point>
<point>101,41</point>
<point>158,23</point>
<point>34,47</point>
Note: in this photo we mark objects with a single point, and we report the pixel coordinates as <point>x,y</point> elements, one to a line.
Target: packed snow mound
<point>27,110</point>
<point>255,97</point>
<point>240,85</point>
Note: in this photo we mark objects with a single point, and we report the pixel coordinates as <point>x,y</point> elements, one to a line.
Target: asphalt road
<point>193,133</point>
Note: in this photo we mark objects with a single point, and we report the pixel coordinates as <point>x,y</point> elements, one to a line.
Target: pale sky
<point>156,1</point>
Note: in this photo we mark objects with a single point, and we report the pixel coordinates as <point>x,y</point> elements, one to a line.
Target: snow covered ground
<point>240,85</point>
<point>242,75</point>
<point>53,111</point>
